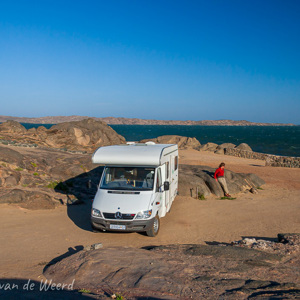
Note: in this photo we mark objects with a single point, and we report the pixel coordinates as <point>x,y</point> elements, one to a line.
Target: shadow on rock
<point>79,192</point>
<point>259,289</point>
<point>209,173</point>
<point>215,243</point>
<point>70,252</point>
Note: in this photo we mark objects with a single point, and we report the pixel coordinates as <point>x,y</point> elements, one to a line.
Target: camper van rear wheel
<point>153,231</point>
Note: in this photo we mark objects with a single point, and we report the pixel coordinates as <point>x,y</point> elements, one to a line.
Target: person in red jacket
<point>219,177</point>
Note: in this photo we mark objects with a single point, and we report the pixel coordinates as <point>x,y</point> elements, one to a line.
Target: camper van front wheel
<point>153,231</point>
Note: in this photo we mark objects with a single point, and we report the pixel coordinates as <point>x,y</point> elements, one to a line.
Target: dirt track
<point>31,239</point>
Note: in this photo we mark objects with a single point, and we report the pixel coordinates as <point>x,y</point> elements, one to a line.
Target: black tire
<point>153,231</point>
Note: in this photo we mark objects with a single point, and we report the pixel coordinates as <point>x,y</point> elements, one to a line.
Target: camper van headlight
<point>96,213</point>
<point>144,214</point>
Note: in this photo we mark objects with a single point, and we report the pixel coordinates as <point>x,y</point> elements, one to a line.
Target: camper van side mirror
<point>166,185</point>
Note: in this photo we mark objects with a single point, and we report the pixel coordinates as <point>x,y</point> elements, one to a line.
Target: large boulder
<point>244,146</point>
<point>201,177</point>
<point>85,134</point>
<point>226,145</point>
<point>183,142</point>
<point>220,148</point>
<point>209,147</point>
<point>11,126</point>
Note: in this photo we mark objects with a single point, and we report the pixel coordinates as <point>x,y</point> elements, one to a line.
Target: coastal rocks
<point>282,161</point>
<point>191,271</point>
<point>201,178</point>
<point>183,142</point>
<point>220,148</point>
<point>225,148</point>
<point>245,154</point>
<point>85,135</point>
<point>271,160</point>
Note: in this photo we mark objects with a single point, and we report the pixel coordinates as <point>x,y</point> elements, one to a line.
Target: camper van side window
<point>176,162</point>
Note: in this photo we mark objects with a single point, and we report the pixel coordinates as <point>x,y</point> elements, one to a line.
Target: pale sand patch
<point>30,238</point>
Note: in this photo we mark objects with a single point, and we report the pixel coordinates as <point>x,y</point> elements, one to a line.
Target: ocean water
<point>278,140</point>
<point>31,125</point>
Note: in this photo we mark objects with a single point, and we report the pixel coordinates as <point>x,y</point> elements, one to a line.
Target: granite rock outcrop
<point>183,142</point>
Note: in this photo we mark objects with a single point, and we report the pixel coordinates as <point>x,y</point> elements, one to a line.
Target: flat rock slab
<point>180,272</point>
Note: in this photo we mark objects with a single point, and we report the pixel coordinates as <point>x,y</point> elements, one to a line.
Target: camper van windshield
<point>128,178</point>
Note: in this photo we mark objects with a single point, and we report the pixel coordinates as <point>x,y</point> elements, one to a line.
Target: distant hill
<point>135,121</point>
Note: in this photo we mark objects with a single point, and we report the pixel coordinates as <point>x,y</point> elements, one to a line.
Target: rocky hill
<point>136,121</point>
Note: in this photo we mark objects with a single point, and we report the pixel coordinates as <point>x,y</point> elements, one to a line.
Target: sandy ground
<point>31,239</point>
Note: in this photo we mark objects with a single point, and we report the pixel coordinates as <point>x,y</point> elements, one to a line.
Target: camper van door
<point>174,175</point>
<point>164,197</point>
<point>160,195</point>
<point>167,178</point>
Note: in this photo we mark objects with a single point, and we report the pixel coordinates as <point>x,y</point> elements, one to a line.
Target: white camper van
<point>137,187</point>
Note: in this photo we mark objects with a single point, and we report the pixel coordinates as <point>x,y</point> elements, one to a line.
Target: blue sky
<point>183,60</point>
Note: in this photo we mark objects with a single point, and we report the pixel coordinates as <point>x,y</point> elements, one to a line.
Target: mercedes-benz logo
<point>118,215</point>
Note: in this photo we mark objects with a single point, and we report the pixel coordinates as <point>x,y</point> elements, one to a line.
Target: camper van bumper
<point>134,226</point>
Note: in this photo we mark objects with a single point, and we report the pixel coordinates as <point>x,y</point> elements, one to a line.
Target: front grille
<point>112,216</point>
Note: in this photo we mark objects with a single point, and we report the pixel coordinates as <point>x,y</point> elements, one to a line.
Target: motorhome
<point>137,187</point>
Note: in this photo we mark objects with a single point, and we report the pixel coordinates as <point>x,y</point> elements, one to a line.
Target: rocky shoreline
<point>51,167</point>
<point>87,135</point>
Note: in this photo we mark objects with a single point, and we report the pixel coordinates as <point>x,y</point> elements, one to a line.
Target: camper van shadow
<point>79,192</point>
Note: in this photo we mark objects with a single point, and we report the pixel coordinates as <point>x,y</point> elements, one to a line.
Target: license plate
<point>119,227</point>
